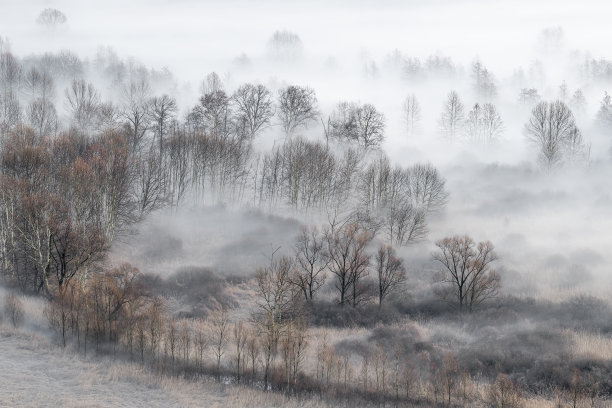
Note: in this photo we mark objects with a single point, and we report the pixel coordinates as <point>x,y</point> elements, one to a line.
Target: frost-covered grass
<point>36,373</point>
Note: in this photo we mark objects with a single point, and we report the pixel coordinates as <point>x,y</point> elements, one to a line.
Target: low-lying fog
<point>550,228</point>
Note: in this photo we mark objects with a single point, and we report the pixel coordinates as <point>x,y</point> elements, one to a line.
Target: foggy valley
<point>307,203</point>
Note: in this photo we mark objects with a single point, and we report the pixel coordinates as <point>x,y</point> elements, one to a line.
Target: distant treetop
<point>51,17</point>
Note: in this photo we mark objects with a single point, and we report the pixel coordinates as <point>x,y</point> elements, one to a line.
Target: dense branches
<point>466,269</point>
<point>552,129</point>
<point>452,116</point>
<point>253,106</point>
<point>390,270</point>
<point>362,124</point>
<point>297,107</point>
<point>348,260</point>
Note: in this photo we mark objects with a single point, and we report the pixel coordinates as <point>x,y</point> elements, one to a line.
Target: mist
<point>211,208</point>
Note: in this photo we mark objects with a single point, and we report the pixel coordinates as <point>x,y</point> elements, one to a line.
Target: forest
<point>366,227</point>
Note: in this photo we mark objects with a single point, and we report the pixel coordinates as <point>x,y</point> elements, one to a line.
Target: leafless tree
<point>252,351</point>
<point>297,107</point>
<point>550,126</point>
<point>390,270</point>
<point>504,393</point>
<point>253,107</point>
<point>604,114</point>
<point>219,336</point>
<point>83,103</point>
<point>200,341</point>
<point>275,300</point>
<point>240,338</point>
<point>466,269</point>
<point>576,150</point>
<point>214,114</point>
<point>529,96</point>
<point>10,112</point>
<point>311,262</point>
<point>10,73</point>
<point>399,200</point>
<point>212,83</point>
<point>285,45</point>
<point>162,110</point>
<point>578,102</point>
<point>362,124</point>
<point>42,117</point>
<point>39,84</point>
<point>412,114</point>
<point>346,246</point>
<point>370,127</point>
<point>51,17</point>
<point>484,83</point>
<point>452,116</point>
<point>135,109</point>
<point>483,124</point>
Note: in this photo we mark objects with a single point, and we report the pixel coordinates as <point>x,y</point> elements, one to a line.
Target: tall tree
<point>550,127</point>
<point>311,262</point>
<point>452,116</point>
<point>297,107</point>
<point>349,261</point>
<point>466,270</point>
<point>253,107</point>
<point>412,114</point>
<point>390,270</point>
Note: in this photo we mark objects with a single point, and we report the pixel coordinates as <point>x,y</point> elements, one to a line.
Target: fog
<point>549,228</point>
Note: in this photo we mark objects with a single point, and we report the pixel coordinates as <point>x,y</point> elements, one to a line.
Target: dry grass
<point>37,373</point>
<point>589,346</point>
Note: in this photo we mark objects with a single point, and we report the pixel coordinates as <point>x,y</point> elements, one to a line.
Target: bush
<point>13,310</point>
<point>504,393</point>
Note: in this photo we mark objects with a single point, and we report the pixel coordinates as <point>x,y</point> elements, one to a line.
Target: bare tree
<point>370,127</point>
<point>51,17</point>
<point>42,117</point>
<point>576,150</point>
<point>412,114</point>
<point>253,106</point>
<point>212,83</point>
<point>311,262</point>
<point>466,269</point>
<point>252,351</point>
<point>240,338</point>
<point>604,114</point>
<point>276,305</point>
<point>391,271</point>
<point>219,332</point>
<point>213,114</point>
<point>484,83</point>
<point>504,393</point>
<point>483,124</point>
<point>162,110</point>
<point>452,116</point>
<point>578,102</point>
<point>83,103</point>
<point>529,96</point>
<point>346,246</point>
<point>39,84</point>
<point>285,45</point>
<point>10,112</point>
<point>549,128</point>
<point>135,110</point>
<point>362,124</point>
<point>297,107</point>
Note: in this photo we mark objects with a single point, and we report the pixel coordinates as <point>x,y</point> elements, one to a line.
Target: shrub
<point>13,310</point>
